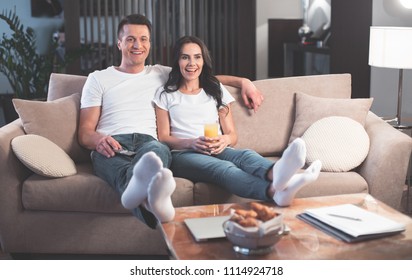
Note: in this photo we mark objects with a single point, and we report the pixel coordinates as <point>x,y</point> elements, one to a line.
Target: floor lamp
<point>391,47</point>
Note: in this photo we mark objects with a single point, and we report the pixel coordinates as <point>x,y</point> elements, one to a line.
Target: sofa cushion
<point>42,156</point>
<point>339,142</point>
<point>85,192</point>
<point>328,183</point>
<point>55,120</point>
<point>267,130</point>
<point>309,109</point>
<point>335,183</point>
<point>206,193</point>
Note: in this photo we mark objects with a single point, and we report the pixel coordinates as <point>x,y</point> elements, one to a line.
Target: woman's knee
<point>247,153</point>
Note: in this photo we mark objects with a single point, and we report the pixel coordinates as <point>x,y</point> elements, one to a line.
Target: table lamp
<point>391,47</point>
<point>406,3</point>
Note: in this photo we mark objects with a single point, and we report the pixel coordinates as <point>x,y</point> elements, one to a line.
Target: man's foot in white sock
<point>143,172</point>
<point>297,182</point>
<point>292,160</point>
<point>159,198</point>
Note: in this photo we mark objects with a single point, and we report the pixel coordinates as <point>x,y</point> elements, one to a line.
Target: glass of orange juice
<point>211,130</point>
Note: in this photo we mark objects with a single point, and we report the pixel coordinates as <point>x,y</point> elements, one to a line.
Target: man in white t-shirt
<point>117,115</point>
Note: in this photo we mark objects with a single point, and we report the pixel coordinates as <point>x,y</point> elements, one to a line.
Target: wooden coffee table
<point>303,241</point>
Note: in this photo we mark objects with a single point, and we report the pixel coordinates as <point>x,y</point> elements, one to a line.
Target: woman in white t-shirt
<point>192,97</point>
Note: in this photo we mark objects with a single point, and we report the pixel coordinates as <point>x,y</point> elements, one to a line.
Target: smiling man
<point>117,114</point>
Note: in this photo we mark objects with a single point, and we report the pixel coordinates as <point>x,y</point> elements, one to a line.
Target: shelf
<point>299,59</point>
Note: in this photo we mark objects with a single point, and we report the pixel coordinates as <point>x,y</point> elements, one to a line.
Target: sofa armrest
<point>12,175</point>
<point>386,165</point>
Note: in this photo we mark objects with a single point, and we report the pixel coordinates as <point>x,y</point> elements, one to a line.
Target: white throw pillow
<point>341,143</point>
<point>42,156</point>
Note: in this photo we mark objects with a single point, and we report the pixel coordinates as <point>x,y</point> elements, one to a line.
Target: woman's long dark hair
<point>208,81</point>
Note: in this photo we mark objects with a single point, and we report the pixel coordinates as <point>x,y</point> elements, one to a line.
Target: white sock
<point>292,160</point>
<point>143,171</point>
<point>160,192</point>
<point>298,181</point>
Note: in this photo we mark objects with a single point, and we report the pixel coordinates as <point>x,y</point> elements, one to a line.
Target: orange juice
<point>211,130</point>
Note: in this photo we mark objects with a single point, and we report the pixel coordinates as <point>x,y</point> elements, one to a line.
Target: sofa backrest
<point>61,85</point>
<point>268,130</point>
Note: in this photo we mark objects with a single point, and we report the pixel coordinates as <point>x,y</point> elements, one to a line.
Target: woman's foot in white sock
<point>297,182</point>
<point>292,160</point>
<point>143,172</point>
<point>159,199</point>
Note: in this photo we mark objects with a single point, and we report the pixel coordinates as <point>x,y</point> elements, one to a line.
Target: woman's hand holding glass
<point>210,145</point>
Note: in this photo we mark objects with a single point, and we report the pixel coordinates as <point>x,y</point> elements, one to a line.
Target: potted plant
<point>27,71</point>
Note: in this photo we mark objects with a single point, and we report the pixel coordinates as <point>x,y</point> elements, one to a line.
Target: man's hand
<point>107,146</point>
<point>252,97</point>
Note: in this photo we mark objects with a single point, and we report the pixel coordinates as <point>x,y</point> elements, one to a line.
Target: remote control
<point>125,152</point>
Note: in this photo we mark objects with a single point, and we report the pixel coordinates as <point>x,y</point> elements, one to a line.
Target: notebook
<point>206,228</point>
<point>351,223</point>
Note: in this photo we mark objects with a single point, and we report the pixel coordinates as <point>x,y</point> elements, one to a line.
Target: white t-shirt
<point>126,99</point>
<point>188,113</point>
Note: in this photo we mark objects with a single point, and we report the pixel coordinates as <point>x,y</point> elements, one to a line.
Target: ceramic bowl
<point>265,235</point>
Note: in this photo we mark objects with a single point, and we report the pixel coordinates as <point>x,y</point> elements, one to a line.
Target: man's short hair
<point>133,19</point>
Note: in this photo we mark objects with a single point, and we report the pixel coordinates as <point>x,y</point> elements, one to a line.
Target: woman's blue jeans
<point>118,170</point>
<point>241,172</point>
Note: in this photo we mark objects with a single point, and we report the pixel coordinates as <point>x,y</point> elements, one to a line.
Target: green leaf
<point>27,71</point>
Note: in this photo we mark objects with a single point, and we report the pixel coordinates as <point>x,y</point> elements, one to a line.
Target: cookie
<point>265,213</point>
<point>249,222</point>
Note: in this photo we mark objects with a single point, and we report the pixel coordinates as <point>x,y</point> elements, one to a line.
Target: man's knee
<point>162,151</point>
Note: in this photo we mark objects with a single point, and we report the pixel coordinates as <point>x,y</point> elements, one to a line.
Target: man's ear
<point>118,44</point>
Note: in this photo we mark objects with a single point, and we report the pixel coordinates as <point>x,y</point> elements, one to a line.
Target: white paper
<point>354,220</point>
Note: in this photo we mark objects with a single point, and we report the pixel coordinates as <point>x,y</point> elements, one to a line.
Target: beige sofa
<point>80,214</point>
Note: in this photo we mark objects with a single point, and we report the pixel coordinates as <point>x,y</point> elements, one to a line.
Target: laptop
<point>206,228</point>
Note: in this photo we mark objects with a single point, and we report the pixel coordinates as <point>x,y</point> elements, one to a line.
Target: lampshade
<point>406,3</point>
<point>390,47</point>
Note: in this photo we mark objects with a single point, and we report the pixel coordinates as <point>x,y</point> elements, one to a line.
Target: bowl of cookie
<point>255,230</point>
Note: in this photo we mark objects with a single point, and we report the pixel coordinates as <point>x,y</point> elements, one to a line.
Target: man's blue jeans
<point>118,170</point>
<point>241,172</point>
